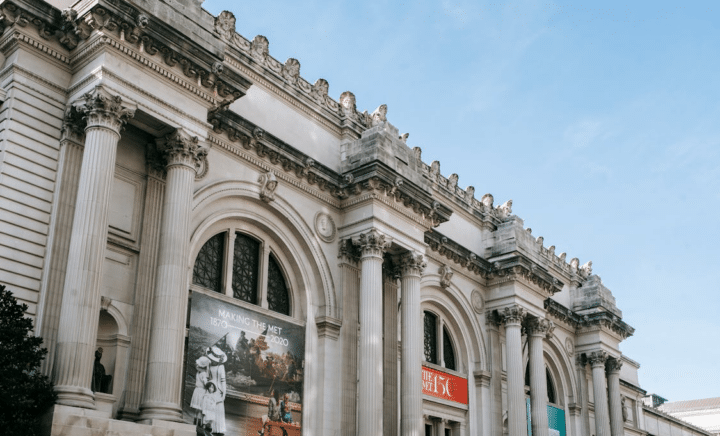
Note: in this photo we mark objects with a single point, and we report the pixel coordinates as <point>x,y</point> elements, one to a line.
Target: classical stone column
<point>580,365</point>
<point>105,115</point>
<point>602,423</point>
<point>493,321</point>
<point>617,425</point>
<point>411,423</point>
<point>538,329</point>
<point>370,366</point>
<point>164,373</point>
<point>72,141</point>
<point>517,423</point>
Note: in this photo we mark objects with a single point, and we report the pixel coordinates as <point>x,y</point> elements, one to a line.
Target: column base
<point>152,411</point>
<point>75,396</point>
<point>64,420</point>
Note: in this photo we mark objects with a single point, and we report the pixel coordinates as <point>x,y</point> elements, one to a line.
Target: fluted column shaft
<point>164,373</point>
<point>602,422</point>
<point>517,424</point>
<point>583,394</point>
<point>617,425</point>
<point>538,330</point>
<point>411,354</point>
<point>370,366</point>
<point>77,330</point>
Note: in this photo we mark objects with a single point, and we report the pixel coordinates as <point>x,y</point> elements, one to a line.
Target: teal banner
<point>556,420</point>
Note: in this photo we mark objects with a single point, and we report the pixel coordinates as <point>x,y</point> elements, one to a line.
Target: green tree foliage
<point>25,393</point>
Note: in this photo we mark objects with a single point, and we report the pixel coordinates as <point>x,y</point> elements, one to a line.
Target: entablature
<point>201,63</point>
<point>451,250</point>
<point>589,322</point>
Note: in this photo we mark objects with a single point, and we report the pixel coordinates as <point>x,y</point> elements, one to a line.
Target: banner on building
<point>440,384</point>
<point>244,370</point>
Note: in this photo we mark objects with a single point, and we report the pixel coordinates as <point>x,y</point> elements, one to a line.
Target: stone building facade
<point>152,158</point>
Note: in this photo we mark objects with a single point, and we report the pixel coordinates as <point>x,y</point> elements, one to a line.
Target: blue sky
<point>601,121</point>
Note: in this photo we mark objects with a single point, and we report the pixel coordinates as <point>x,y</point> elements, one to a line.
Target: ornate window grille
<point>246,260</point>
<point>277,293</point>
<point>209,264</point>
<point>246,264</point>
<point>448,351</point>
<point>430,322</point>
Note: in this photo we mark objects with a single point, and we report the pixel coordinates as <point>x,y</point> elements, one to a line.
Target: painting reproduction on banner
<point>244,370</point>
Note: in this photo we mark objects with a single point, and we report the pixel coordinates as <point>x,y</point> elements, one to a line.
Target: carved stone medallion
<point>325,227</point>
<point>477,301</point>
<point>569,346</point>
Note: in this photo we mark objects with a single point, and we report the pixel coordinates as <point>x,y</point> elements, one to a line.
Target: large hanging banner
<point>244,370</point>
<point>440,384</point>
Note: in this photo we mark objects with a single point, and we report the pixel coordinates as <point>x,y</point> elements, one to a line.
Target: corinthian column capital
<point>613,365</point>
<point>372,243</point>
<point>180,148</point>
<point>513,315</point>
<point>412,263</point>
<point>597,358</point>
<point>104,110</point>
<point>540,327</point>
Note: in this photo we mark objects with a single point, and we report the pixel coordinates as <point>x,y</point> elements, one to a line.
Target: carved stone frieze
<point>372,243</point>
<point>268,185</point>
<point>520,267</point>
<point>100,108</point>
<point>132,27</point>
<point>457,253</point>
<point>376,179</point>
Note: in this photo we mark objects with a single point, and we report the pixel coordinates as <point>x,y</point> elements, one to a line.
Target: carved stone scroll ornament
<point>347,104</point>
<point>445,275</point>
<point>268,185</point>
<point>103,109</point>
<point>379,115</point>
<point>319,90</point>
<point>260,49</point>
<point>372,243</point>
<point>412,264</point>
<point>225,25</point>
<point>291,70</point>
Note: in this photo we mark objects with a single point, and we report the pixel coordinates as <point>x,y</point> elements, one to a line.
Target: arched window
<point>552,396</point>
<point>246,265</point>
<point>443,355</point>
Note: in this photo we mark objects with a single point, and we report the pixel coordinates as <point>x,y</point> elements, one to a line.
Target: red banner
<point>443,385</point>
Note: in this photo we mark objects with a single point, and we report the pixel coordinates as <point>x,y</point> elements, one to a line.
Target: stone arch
<point>301,250</point>
<point>456,308</point>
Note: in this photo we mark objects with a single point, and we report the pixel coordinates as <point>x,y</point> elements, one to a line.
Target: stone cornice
<point>679,421</point>
<point>603,320</point>
<point>150,35</point>
<point>451,250</point>
<point>373,181</point>
<point>519,267</point>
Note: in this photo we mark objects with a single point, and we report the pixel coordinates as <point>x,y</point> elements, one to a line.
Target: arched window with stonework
<point>239,265</point>
<point>439,347</point>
